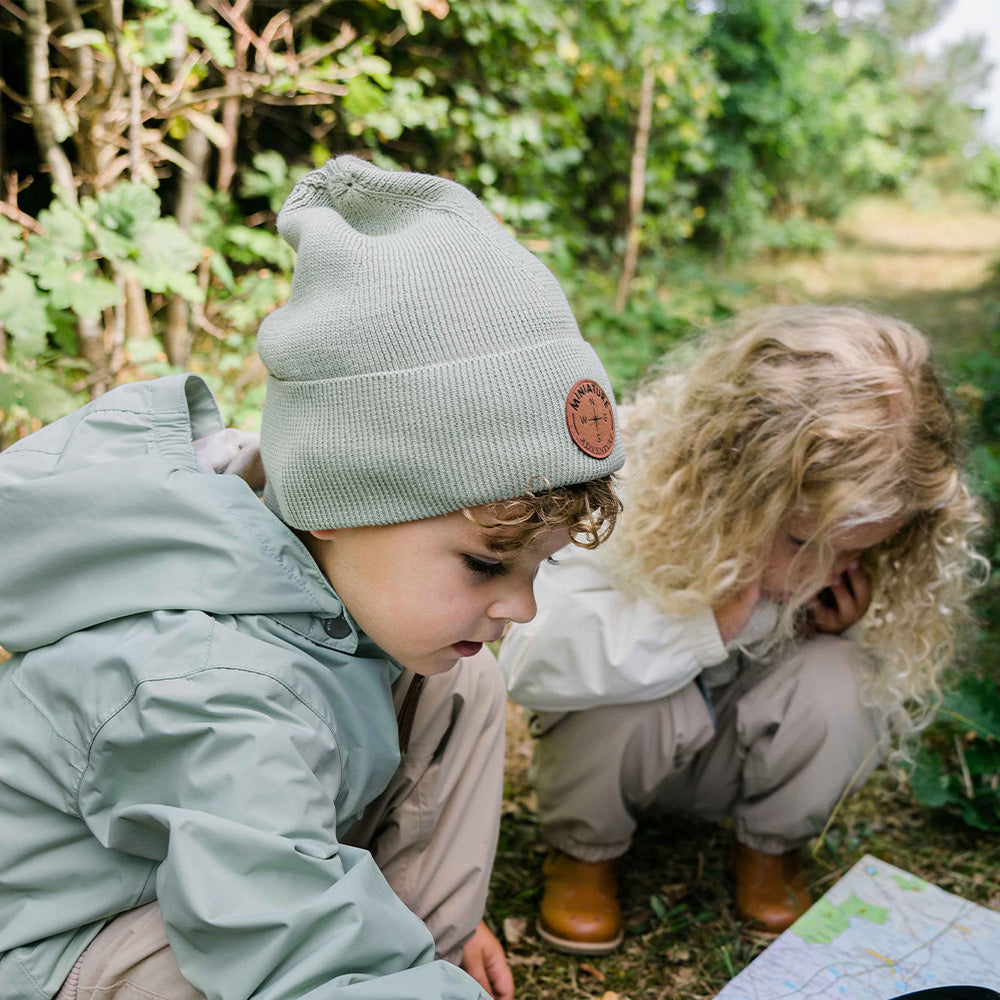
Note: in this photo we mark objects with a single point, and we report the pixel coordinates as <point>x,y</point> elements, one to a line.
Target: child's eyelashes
<point>796,542</point>
<point>484,567</point>
<point>490,567</point>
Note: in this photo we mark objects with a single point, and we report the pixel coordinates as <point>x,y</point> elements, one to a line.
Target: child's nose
<point>518,605</point>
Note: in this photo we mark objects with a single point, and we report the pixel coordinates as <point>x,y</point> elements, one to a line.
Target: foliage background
<point>653,152</point>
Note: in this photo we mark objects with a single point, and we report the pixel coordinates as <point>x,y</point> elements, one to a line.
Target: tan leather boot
<point>579,912</point>
<point>770,888</point>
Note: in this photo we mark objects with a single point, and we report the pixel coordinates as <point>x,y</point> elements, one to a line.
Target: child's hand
<point>732,617</point>
<point>483,959</point>
<point>838,607</point>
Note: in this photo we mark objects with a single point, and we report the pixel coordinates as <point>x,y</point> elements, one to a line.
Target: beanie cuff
<point>369,449</point>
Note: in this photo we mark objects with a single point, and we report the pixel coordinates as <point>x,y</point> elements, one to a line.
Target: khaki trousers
<point>433,833</point>
<point>787,741</point>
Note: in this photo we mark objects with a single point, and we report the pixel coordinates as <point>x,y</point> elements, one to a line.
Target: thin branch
<point>267,36</point>
<point>232,106</point>
<point>9,91</point>
<point>15,214</point>
<point>313,55</point>
<point>39,96</point>
<point>14,10</point>
<point>637,184</point>
<point>82,56</point>
<point>319,93</point>
<point>309,12</point>
<point>852,785</point>
<point>135,120</point>
<point>970,792</point>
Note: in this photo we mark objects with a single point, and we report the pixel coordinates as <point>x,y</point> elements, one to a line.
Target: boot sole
<point>570,947</point>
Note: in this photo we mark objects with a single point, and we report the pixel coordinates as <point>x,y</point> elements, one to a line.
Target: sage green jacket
<point>190,716</point>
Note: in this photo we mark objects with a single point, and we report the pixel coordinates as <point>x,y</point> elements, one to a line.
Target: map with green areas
<point>877,933</point>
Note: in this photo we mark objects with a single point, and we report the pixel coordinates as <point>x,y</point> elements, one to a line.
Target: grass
<point>936,268</point>
<point>683,938</point>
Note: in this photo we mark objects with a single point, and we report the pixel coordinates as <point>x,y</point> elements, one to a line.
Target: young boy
<point>201,790</point>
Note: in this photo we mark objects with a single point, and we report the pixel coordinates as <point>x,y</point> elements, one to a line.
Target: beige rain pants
<point>787,742</point>
<point>433,832</point>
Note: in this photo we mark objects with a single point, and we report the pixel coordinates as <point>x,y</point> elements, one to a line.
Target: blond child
<point>216,776</point>
<point>787,582</point>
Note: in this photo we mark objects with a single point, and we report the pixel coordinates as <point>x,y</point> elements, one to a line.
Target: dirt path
<point>934,266</point>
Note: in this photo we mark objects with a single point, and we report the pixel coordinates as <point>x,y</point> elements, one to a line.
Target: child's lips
<point>467,648</point>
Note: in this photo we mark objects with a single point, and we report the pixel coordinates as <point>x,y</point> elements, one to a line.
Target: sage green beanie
<point>424,361</point>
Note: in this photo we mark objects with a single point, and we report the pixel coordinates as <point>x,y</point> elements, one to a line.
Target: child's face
<point>781,580</point>
<point>430,592</point>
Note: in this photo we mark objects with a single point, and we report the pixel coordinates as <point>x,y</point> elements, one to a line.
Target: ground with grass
<point>934,266</point>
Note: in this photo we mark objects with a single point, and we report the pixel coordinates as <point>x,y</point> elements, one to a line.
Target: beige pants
<point>433,833</point>
<point>787,742</point>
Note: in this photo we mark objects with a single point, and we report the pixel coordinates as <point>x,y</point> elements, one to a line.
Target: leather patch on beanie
<point>590,418</point>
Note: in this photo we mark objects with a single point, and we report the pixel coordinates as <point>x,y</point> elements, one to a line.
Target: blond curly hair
<point>833,414</point>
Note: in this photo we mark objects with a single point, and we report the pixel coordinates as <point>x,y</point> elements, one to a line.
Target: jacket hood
<point>107,513</point>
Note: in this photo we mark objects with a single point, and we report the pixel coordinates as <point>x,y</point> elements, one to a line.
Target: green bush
<point>958,768</point>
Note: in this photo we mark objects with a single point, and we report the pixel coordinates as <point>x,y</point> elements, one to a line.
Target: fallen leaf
<point>674,892</point>
<point>685,977</point>
<point>532,961</point>
<point>514,929</point>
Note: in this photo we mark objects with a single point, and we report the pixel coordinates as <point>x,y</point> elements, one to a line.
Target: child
<point>790,572</point>
<point>198,720</point>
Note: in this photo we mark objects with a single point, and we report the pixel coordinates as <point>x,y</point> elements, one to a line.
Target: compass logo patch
<point>590,418</point>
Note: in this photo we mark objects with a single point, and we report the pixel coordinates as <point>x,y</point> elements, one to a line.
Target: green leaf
<point>37,392</point>
<point>86,36</point>
<point>975,706</point>
<point>214,36</point>
<point>63,333</point>
<point>165,256</point>
<point>85,292</point>
<point>65,232</point>
<point>976,818</point>
<point>11,241</point>
<point>362,97</point>
<point>128,209</point>
<point>22,311</point>
<point>271,178</point>
<point>413,15</point>
<point>153,43</point>
<point>929,784</point>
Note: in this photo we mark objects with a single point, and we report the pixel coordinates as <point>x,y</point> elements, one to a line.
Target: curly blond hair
<point>833,414</point>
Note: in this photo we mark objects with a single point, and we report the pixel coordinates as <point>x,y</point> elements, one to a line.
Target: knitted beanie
<point>424,361</point>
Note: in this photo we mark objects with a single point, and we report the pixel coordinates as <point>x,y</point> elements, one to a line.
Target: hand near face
<point>483,958</point>
<point>839,606</point>
<point>733,615</point>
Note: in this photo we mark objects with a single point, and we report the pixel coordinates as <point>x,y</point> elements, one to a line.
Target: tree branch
<point>12,212</point>
<point>309,12</point>
<point>39,98</point>
<point>637,183</point>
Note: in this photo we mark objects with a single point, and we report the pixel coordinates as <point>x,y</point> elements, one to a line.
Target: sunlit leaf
<point>22,312</point>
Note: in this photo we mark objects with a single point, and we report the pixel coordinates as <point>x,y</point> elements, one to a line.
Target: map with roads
<point>878,933</point>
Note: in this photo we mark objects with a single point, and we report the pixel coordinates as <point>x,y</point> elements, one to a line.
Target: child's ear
<point>324,533</point>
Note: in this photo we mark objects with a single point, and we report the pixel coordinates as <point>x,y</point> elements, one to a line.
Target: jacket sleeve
<point>590,645</point>
<point>228,781</point>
